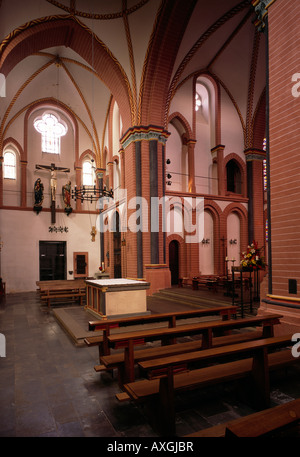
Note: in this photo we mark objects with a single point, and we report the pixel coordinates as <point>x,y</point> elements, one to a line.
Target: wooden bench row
<point>117,360</point>
<point>252,359</point>
<point>266,423</point>
<point>168,336</point>
<point>63,290</point>
<point>225,312</point>
<point>210,282</point>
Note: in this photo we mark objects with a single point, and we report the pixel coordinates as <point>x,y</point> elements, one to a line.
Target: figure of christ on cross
<point>53,184</point>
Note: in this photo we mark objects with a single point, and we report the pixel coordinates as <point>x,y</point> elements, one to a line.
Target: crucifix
<point>53,184</point>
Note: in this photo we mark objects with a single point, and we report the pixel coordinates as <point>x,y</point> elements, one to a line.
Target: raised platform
<point>74,319</point>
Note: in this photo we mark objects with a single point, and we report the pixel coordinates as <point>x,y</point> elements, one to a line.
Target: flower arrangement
<point>252,257</point>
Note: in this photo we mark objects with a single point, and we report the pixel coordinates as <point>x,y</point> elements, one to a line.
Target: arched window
<point>52,129</point>
<point>9,165</point>
<point>88,176</point>
<point>234,183</point>
<point>198,102</point>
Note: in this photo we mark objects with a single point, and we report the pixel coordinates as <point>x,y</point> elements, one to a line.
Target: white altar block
<point>116,297</point>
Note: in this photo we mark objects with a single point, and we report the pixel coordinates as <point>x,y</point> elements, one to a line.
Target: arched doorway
<point>174,261</point>
<point>234,179</point>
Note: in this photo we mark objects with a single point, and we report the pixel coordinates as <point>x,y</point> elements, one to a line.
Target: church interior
<point>150,146</point>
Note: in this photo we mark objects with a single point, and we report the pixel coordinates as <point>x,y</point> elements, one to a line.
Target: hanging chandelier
<point>90,193</point>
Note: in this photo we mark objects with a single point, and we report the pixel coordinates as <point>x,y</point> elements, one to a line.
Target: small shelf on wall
<point>80,264</point>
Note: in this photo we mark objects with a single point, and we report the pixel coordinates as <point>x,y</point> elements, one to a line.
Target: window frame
<point>91,174</point>
<point>48,136</point>
<point>12,166</point>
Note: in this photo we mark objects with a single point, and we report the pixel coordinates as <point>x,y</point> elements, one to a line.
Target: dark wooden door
<point>174,261</point>
<point>52,260</point>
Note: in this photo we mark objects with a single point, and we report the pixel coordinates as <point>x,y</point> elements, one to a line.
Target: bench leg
<point>260,375</point>
<point>268,331</point>
<point>129,362</point>
<point>105,350</point>
<point>206,339</point>
<point>167,406</point>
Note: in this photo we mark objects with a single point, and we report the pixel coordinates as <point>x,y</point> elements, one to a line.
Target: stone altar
<point>116,297</point>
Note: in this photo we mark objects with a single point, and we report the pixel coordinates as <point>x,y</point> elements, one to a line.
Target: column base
<point>159,277</point>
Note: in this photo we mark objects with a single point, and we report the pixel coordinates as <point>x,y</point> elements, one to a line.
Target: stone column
<point>191,164</point>
<point>144,178</point>
<point>255,186</point>
<point>218,157</point>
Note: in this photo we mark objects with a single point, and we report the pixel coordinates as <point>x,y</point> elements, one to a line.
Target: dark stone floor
<point>48,387</point>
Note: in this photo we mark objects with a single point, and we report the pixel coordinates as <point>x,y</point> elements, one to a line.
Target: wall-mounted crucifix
<point>53,184</point>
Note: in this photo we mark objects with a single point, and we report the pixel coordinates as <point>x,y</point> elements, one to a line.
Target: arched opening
<point>207,246</point>
<point>234,177</point>
<point>233,238</point>
<point>174,261</point>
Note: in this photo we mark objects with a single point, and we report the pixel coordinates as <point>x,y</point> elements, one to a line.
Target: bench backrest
<point>199,327</point>
<point>64,286</point>
<point>265,422</point>
<point>249,347</point>
<point>98,325</point>
<point>55,282</point>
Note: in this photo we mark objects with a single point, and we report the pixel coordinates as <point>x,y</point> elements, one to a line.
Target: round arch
<point>241,212</point>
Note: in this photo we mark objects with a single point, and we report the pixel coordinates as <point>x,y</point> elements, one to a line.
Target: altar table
<point>116,297</point>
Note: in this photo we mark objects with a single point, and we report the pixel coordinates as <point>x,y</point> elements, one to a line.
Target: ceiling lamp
<point>90,193</point>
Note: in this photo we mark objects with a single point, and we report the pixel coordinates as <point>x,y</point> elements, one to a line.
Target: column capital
<point>100,171</point>
<point>146,133</point>
<point>261,10</point>
<point>214,151</point>
<point>254,154</point>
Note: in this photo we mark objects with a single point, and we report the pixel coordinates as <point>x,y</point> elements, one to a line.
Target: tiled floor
<point>48,387</point>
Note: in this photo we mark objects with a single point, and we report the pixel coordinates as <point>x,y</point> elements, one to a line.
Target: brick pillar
<point>280,21</point>
<point>218,157</point>
<point>144,177</point>
<point>255,186</point>
<point>122,166</point>
<point>110,167</point>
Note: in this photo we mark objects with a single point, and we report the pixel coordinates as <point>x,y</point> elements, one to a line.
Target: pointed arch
<point>67,30</point>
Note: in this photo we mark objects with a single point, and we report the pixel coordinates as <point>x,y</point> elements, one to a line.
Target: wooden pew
<point>166,335</point>
<point>77,282</point>
<point>225,312</point>
<point>264,423</point>
<point>62,292</point>
<point>253,359</point>
<point>117,360</point>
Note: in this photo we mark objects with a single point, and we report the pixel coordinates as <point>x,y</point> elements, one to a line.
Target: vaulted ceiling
<point>85,53</point>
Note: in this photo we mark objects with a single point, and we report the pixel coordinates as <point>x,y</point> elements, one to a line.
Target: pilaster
<point>218,157</point>
<point>255,186</point>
